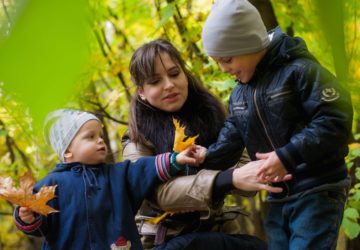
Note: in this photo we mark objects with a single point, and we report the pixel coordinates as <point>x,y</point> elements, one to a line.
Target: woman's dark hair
<point>201,113</point>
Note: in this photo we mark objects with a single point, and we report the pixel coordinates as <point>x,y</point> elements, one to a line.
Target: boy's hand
<point>26,215</point>
<point>272,170</point>
<point>200,153</point>
<point>191,155</point>
<point>245,178</point>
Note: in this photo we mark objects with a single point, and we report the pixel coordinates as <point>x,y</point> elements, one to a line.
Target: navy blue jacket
<point>294,106</point>
<point>97,203</point>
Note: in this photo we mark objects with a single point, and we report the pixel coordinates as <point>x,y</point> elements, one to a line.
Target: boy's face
<point>242,67</point>
<point>88,145</point>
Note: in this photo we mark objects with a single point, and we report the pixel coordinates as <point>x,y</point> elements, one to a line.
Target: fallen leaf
<point>181,141</point>
<point>160,218</point>
<point>24,197</point>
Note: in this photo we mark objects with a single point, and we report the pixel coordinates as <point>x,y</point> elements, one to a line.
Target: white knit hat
<point>234,27</point>
<point>61,126</point>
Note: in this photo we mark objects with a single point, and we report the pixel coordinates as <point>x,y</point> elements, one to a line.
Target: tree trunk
<point>267,13</point>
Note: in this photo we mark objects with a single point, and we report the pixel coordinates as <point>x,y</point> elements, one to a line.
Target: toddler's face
<point>88,145</point>
<point>242,67</point>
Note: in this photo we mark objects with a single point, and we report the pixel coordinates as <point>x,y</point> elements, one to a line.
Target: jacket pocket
<point>282,104</point>
<point>240,111</point>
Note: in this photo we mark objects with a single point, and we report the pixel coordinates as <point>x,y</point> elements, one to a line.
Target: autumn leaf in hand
<point>181,141</point>
<point>23,195</point>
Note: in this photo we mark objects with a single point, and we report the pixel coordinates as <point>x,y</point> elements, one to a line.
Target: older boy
<point>292,112</point>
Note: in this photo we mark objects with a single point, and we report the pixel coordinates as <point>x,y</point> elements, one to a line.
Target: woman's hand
<point>26,215</point>
<point>245,178</point>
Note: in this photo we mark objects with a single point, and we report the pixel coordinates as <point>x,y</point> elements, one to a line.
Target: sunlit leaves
<point>350,224</point>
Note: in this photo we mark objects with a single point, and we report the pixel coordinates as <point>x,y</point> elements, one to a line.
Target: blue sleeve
<point>146,173</point>
<point>227,150</point>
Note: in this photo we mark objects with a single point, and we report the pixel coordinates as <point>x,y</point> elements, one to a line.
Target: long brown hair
<point>201,113</point>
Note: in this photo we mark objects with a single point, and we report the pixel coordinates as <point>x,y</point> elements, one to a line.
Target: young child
<point>290,111</point>
<point>97,202</point>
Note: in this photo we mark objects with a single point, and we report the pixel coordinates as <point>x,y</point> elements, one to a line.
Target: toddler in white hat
<point>97,201</point>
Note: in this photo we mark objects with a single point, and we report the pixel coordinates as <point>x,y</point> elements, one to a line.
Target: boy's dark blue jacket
<point>97,204</point>
<point>294,106</point>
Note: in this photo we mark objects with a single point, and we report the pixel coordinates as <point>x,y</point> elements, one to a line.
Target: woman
<point>167,90</point>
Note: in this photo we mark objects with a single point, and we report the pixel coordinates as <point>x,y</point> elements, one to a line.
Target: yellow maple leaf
<point>181,141</point>
<point>160,218</point>
<point>23,196</point>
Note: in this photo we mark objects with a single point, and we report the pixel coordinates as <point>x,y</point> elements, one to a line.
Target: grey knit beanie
<point>61,126</point>
<point>234,27</point>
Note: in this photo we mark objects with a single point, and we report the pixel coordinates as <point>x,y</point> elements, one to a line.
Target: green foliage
<point>44,46</point>
<point>331,31</point>
<point>350,223</point>
<point>168,12</point>
<point>43,53</point>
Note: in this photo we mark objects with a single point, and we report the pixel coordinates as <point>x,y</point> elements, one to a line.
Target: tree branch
<point>119,74</point>
<point>103,112</point>
<point>6,11</point>
<point>182,30</point>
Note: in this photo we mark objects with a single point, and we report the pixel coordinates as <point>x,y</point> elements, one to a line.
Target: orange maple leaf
<point>181,141</point>
<point>23,196</point>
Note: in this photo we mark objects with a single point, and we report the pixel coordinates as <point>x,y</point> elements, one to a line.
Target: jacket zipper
<point>262,121</point>
<point>279,94</point>
<point>266,132</point>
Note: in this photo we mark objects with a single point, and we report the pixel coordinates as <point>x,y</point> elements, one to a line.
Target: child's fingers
<point>27,218</point>
<point>276,179</point>
<point>287,177</point>
<point>261,172</point>
<point>26,215</point>
<point>191,161</point>
<point>24,211</point>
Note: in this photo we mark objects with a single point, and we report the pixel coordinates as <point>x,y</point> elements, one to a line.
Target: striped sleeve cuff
<point>27,228</point>
<point>166,166</point>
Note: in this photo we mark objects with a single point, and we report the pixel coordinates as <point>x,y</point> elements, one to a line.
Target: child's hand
<point>26,215</point>
<point>200,153</point>
<point>272,170</point>
<point>244,178</point>
<point>190,155</point>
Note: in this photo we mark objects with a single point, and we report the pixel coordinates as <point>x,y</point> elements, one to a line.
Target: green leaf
<point>354,204</point>
<point>168,13</point>
<point>351,229</point>
<point>3,132</point>
<point>356,195</point>
<point>351,213</point>
<point>357,174</point>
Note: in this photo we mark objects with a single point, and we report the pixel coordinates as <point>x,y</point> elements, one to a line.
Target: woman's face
<point>167,89</point>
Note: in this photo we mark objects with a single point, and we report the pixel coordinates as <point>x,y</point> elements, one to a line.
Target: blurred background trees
<point>66,53</point>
